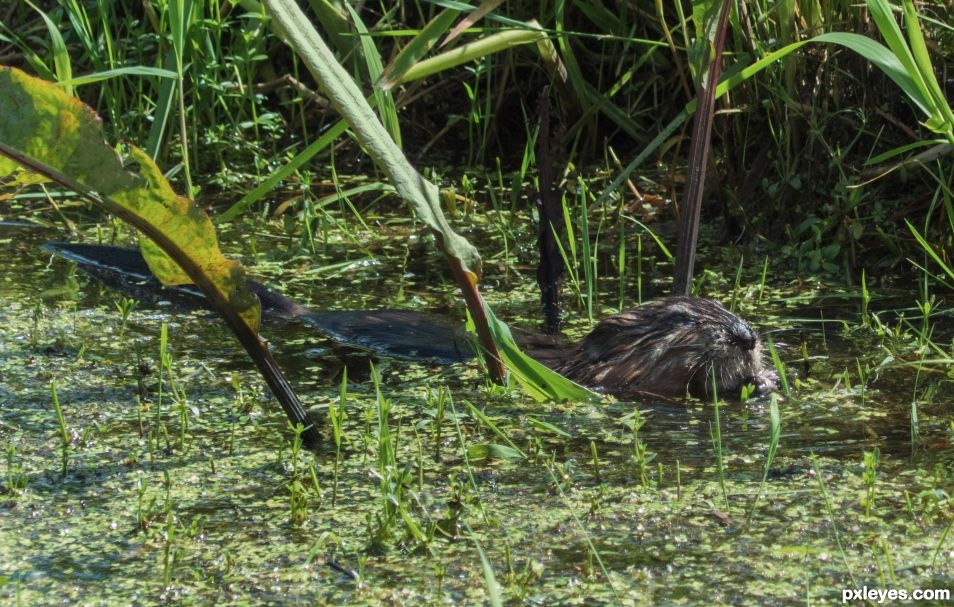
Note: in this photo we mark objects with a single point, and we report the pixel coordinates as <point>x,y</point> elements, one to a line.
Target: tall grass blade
<point>484,9</point>
<point>383,99</point>
<point>943,122</point>
<point>490,580</point>
<point>930,250</point>
<point>160,115</point>
<point>779,366</point>
<point>136,70</point>
<point>831,517</point>
<point>880,11</point>
<point>61,58</point>
<point>414,50</point>
<point>465,53</point>
<point>275,178</point>
<point>422,195</point>
<point>775,433</point>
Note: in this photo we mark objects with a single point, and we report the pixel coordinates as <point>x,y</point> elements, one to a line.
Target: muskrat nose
<point>744,337</point>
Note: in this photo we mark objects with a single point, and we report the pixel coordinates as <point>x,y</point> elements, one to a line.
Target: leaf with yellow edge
<point>193,232</point>
<point>47,135</point>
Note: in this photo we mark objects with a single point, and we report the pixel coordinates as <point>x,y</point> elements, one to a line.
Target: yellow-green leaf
<point>44,131</point>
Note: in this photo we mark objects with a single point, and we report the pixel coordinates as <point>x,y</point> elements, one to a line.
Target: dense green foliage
<point>141,460</point>
<point>790,145</point>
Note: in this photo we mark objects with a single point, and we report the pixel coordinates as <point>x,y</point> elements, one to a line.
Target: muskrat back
<point>670,347</point>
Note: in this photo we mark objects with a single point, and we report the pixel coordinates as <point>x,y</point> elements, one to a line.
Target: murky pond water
<point>179,483</point>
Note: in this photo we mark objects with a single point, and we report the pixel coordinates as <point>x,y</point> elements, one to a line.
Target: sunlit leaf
<point>489,423</point>
<point>414,50</point>
<point>48,132</point>
<point>481,452</point>
<point>466,53</point>
<point>541,382</point>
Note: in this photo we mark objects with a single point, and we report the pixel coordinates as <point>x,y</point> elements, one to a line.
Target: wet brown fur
<point>666,347</point>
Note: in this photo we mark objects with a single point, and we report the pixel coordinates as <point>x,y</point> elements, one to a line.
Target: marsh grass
<point>303,486</point>
<point>125,307</point>
<point>715,435</point>
<point>35,325</point>
<point>870,477</point>
<point>14,476</point>
<point>775,434</point>
<point>337,415</point>
<point>832,519</point>
<point>779,366</point>
<point>592,550</point>
<point>65,437</point>
<point>441,494</point>
<point>642,456</point>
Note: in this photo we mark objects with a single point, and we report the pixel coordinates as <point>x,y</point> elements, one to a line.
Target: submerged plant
<point>15,477</point>
<point>870,478</point>
<point>66,438</point>
<point>641,453</point>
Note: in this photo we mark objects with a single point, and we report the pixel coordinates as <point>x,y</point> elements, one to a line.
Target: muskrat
<point>667,347</point>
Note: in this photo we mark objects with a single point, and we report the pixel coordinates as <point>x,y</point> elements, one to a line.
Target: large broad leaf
<point>46,134</point>
<point>55,135</point>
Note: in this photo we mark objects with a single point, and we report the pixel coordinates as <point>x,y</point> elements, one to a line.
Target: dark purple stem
<point>698,161</point>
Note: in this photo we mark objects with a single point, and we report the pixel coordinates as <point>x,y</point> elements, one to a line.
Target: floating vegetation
<point>143,460</point>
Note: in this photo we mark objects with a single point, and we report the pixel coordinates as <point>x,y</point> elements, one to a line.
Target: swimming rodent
<point>667,347</point>
<point>670,347</point>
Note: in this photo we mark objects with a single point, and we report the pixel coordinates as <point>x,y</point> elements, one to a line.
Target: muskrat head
<point>669,347</point>
<point>733,356</point>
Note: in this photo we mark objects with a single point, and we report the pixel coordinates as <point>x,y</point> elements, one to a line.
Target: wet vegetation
<point>143,460</point>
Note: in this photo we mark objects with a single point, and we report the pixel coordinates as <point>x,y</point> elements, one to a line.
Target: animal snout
<point>765,383</point>
<point>744,338</point>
